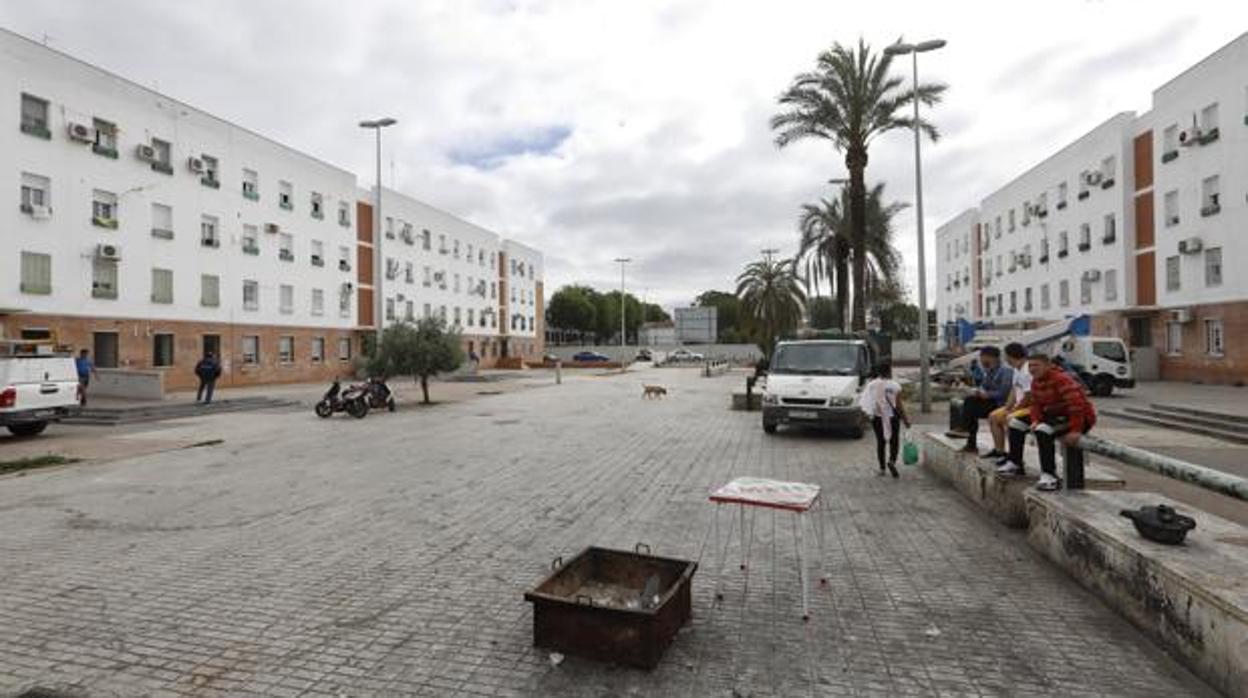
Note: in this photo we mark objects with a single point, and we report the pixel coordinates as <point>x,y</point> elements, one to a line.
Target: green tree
<point>848,100</point>
<point>572,308</point>
<point>824,313</point>
<point>421,349</point>
<point>655,313</point>
<point>901,320</point>
<point>772,299</point>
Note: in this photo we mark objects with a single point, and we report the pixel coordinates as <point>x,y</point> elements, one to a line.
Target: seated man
<point>991,394</point>
<point>1017,405</point>
<point>1059,409</point>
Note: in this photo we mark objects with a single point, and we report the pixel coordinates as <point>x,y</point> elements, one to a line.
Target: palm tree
<point>772,299</point>
<point>828,251</point>
<point>849,99</point>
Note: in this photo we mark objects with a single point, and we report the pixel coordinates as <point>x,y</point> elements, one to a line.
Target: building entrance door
<point>212,343</point>
<point>105,349</point>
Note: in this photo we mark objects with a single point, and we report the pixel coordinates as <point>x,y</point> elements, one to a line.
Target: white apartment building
<point>1133,223</point>
<point>151,232</point>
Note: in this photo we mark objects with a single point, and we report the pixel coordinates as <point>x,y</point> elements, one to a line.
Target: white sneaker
<point>1048,483</point>
<point>1009,469</point>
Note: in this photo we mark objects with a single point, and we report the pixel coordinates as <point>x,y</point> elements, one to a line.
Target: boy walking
<point>1059,410</point>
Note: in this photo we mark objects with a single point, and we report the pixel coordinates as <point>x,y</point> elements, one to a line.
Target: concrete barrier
<point>714,367</point>
<point>1191,599</point>
<point>128,384</point>
<point>976,478</point>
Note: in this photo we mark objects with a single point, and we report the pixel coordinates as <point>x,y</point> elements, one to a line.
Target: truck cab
<point>1102,362</point>
<point>37,386</point>
<point>815,383</point>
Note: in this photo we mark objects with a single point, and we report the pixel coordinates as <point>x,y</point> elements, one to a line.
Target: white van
<point>815,383</point>
<point>36,388</point>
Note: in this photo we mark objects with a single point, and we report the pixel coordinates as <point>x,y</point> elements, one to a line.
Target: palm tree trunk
<point>842,291</point>
<point>856,163</point>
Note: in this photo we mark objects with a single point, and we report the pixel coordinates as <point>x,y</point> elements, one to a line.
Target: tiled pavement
<point>389,557</point>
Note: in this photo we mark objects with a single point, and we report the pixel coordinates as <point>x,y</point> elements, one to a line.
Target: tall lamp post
<point>622,261</point>
<point>377,125</point>
<point>900,49</point>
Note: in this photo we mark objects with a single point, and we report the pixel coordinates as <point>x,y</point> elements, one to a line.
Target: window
<point>1209,197</point>
<point>1062,188</point>
<point>456,251</point>
<point>1109,167</point>
<point>251,350</point>
<point>1213,338</point>
<point>481,257</point>
<point>251,240</point>
<point>1209,123</point>
<point>1045,301</point>
<point>318,349</point>
<point>1027,300</point>
<point>318,301</point>
<point>1063,244</point>
<point>251,295</point>
<point>286,200</point>
<point>35,116</point>
<point>1085,237</point>
<point>442,244</point>
<point>1111,285</point>
<point>1013,302</point>
<point>428,278</point>
<point>163,162</point>
<point>103,278</point>
<point>162,285</point>
<point>426,239</point>
<point>1111,229</point>
<point>392,268</point>
<point>162,350</point>
<point>286,349</point>
<point>1063,293</point>
<point>344,258</point>
<point>318,253</point>
<point>409,311</point>
<point>458,317</point>
<point>36,197</point>
<point>36,273</point>
<point>1213,266</point>
<point>1170,143</point>
<point>1085,290</point>
<point>344,213</point>
<point>1083,186</point>
<point>209,231</point>
<point>251,185</point>
<point>1174,338</point>
<point>105,138</point>
<point>457,283</point>
<point>344,300</point>
<point>209,290</point>
<point>162,221</point>
<point>212,172</point>
<point>389,228</point>
<point>389,308</point>
<point>344,349</point>
<point>1172,273</point>
<point>428,311</point>
<point>409,273</point>
<point>286,299</point>
<point>104,209</point>
<point>318,209</point>
<point>1170,206</point>
<point>286,247</point>
<point>470,323</point>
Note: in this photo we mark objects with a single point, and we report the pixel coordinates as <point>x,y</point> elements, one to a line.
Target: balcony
<point>1083,195</point>
<point>1061,205</point>
<point>1169,155</point>
<point>1108,183</point>
<point>1044,259</point>
<point>1085,246</point>
<point>210,242</point>
<point>102,290</point>
<point>210,182</point>
<point>162,233</point>
<point>251,248</point>
<point>37,130</point>
<point>317,261</point>
<point>285,204</point>
<point>286,255</point>
<point>1208,137</point>
<point>251,194</point>
<point>104,151</point>
<point>318,215</point>
<point>1061,254</point>
<point>163,168</point>
<point>1109,238</point>
<point>1210,210</point>
<point>102,222</point>
<point>344,265</point>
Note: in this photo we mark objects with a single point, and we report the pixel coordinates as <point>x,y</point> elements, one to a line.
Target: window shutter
<point>36,272</point>
<point>210,291</point>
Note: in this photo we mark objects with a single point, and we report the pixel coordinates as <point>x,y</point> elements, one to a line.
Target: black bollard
<point>1073,457</point>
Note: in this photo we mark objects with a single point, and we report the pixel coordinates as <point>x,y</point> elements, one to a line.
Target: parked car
<point>550,358</point>
<point>644,355</point>
<point>683,354</point>
<point>590,356</point>
<point>35,389</point>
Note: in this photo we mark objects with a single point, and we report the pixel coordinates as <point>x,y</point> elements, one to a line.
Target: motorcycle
<point>379,394</point>
<point>353,401</point>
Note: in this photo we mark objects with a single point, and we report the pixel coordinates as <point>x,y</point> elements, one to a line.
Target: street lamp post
<point>622,261</point>
<point>914,50</point>
<point>377,125</point>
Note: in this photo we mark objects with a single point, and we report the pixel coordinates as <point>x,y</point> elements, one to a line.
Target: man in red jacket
<point>1059,409</point>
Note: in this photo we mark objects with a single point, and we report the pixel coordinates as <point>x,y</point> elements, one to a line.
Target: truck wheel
<point>28,428</point>
<point>769,427</point>
<point>1103,386</point>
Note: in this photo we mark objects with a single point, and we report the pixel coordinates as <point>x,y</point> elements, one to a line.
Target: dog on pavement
<point>653,391</point>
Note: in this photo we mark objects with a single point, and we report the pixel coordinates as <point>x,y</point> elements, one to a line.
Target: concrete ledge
<point>128,384</point>
<point>976,478</point>
<point>1192,599</point>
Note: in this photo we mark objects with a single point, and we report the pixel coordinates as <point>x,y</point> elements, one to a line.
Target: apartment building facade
<point>1133,223</point>
<point>151,232</point>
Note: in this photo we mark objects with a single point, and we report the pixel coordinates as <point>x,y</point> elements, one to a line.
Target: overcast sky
<point>594,129</point>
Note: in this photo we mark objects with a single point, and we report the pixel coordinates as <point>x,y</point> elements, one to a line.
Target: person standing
<point>993,391</point>
<point>208,370</point>
<point>881,401</point>
<point>86,369</point>
<point>1060,409</point>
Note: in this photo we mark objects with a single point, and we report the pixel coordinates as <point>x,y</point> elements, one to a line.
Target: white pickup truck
<point>36,388</point>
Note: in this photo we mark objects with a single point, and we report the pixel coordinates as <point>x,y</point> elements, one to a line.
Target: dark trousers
<point>877,425</point>
<point>975,408</point>
<point>205,384</point>
<point>1047,433</point>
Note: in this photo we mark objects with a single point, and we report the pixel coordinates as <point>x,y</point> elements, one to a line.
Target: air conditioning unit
<point>108,251</point>
<point>1181,315</point>
<point>272,228</point>
<point>81,132</point>
<point>1092,275</point>
<point>1189,137</point>
<point>1190,246</point>
<point>195,164</point>
<point>1092,178</point>
<point>145,152</point>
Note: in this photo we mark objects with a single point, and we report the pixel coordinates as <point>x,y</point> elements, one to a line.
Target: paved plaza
<point>389,556</point>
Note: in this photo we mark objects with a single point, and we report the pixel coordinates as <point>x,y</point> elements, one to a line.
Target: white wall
<point>78,92</point>
<point>522,292</point>
<point>955,262</point>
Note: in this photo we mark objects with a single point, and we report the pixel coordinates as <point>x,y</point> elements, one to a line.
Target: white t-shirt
<point>1022,383</point>
<point>879,398</point>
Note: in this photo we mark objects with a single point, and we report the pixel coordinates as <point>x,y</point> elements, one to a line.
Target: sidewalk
<point>1219,398</point>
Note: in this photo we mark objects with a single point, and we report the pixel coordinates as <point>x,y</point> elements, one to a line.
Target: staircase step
<point>153,413</point>
<point>1194,411</point>
<point>1166,423</point>
<point>1186,418</point>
